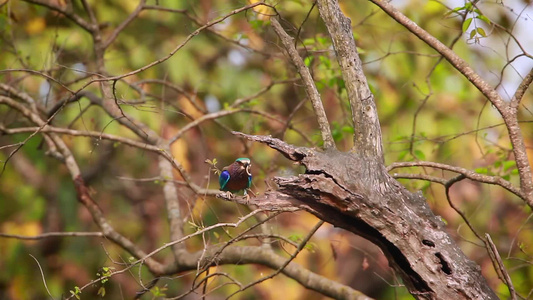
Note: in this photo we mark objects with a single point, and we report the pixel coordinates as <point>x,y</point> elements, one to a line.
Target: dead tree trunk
<point>355,192</point>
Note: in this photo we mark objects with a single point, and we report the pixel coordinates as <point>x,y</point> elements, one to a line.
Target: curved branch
<point>310,87</point>
<point>508,112</point>
<point>456,61</point>
<point>496,180</point>
<point>51,234</point>
<point>522,88</point>
<point>367,135</point>
<point>123,25</point>
<point>66,12</point>
<point>82,190</point>
<point>268,258</point>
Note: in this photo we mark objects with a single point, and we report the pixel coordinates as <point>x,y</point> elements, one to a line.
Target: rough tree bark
<point>353,190</point>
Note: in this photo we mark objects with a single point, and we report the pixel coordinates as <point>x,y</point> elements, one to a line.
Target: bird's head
<point>245,163</point>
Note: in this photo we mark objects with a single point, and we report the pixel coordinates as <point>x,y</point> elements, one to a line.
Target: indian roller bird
<point>236,177</point>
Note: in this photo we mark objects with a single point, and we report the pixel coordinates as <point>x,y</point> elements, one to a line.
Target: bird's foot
<point>250,190</point>
<point>226,195</point>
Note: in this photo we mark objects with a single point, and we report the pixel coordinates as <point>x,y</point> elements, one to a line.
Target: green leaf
<point>458,8</point>
<point>466,24</point>
<point>455,10</point>
<point>308,42</point>
<point>481,32</point>
<point>325,61</point>
<point>101,292</point>
<point>482,170</point>
<point>484,19</point>
<point>310,247</point>
<point>257,24</point>
<point>508,164</point>
<point>348,129</point>
<point>308,60</point>
<point>295,238</point>
<point>472,34</point>
<point>402,155</point>
<point>419,155</point>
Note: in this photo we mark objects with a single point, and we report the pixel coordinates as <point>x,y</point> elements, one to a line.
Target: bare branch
<point>123,25</point>
<point>508,112</point>
<point>522,88</point>
<point>42,276</point>
<point>66,12</point>
<point>310,87</point>
<point>367,136</point>
<point>458,63</point>
<point>498,265</point>
<point>291,258</point>
<point>82,189</point>
<point>420,177</point>
<point>172,202</point>
<point>51,234</point>
<point>496,180</point>
<point>181,45</point>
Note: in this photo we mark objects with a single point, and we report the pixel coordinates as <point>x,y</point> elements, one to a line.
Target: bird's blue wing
<point>249,182</point>
<point>223,179</point>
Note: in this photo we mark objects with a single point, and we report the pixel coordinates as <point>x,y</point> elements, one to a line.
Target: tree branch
<point>522,88</point>
<point>125,23</point>
<point>496,180</point>
<point>82,190</point>
<point>51,234</point>
<point>367,135</point>
<point>66,12</point>
<point>309,84</point>
<point>508,112</point>
<point>456,61</point>
<point>352,192</point>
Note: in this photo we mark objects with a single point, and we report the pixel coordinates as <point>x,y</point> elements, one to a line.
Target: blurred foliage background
<point>428,111</point>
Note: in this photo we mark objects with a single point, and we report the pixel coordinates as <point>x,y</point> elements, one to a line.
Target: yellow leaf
<point>264,12</point>
<point>35,25</point>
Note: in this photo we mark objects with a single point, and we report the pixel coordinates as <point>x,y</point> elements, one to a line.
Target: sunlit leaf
<point>419,155</point>
<point>484,19</point>
<point>466,24</point>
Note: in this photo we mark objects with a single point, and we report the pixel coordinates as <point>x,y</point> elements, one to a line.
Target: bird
<point>236,177</point>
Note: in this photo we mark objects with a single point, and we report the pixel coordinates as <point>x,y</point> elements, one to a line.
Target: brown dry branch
<point>367,134</point>
<point>185,261</point>
<point>496,180</point>
<point>309,84</point>
<point>498,265</point>
<point>355,192</point>
<point>508,111</point>
<point>51,234</point>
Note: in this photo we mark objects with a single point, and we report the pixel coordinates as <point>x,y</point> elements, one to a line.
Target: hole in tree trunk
<point>445,267</point>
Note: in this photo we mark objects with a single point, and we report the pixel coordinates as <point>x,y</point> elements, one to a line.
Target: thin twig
<point>448,185</point>
<point>51,234</point>
<point>42,276</point>
<point>522,88</point>
<point>291,258</point>
<point>496,180</point>
<point>498,265</point>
